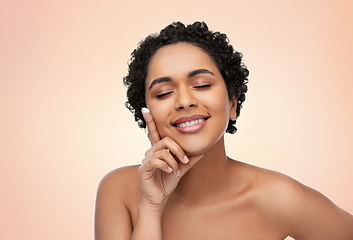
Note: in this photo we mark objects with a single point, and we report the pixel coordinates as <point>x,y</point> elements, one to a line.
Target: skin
<point>205,195</point>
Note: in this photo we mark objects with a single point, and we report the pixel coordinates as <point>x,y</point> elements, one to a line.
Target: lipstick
<point>191,123</point>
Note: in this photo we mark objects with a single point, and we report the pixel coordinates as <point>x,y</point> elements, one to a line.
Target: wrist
<point>149,208</point>
<point>148,223</point>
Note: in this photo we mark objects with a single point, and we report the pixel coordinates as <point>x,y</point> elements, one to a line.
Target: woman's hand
<point>160,172</point>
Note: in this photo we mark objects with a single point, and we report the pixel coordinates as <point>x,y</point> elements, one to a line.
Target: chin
<point>195,150</point>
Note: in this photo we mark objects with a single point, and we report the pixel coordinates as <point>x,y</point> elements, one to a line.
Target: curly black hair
<point>216,44</point>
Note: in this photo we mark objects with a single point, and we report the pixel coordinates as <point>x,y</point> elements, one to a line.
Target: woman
<point>187,85</point>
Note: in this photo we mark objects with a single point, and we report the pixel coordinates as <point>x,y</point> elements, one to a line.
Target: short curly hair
<point>216,44</point>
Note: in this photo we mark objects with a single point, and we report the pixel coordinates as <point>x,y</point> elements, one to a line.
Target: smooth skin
<point>186,186</point>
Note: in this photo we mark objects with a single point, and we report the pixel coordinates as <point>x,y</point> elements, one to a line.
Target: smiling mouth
<point>190,123</point>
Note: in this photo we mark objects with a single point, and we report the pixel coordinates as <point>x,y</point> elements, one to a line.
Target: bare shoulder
<point>120,183</point>
<point>120,177</point>
<point>271,189</point>
<point>304,212</point>
<point>117,193</point>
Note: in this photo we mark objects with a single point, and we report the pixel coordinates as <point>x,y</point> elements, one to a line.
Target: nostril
<point>192,105</point>
<point>185,101</point>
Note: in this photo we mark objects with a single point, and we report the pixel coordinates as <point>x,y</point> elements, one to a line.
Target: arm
<point>316,217</point>
<point>307,214</point>
<point>112,218</point>
<point>148,223</point>
<point>158,176</point>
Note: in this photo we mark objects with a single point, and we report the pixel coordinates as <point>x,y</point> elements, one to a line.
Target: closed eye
<point>203,86</point>
<point>162,94</point>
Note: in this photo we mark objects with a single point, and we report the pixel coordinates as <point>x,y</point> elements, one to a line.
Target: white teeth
<point>191,123</point>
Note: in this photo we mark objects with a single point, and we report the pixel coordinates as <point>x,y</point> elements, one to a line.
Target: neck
<point>207,179</point>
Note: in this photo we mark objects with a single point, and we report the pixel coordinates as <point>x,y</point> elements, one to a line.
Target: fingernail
<point>170,169</point>
<point>145,110</point>
<point>178,173</point>
<point>186,160</point>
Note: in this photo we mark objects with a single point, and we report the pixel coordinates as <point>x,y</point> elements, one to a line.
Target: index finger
<point>151,126</point>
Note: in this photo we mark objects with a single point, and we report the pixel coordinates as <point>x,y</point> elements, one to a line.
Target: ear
<point>233,108</point>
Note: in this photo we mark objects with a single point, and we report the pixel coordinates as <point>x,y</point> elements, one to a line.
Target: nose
<point>185,99</point>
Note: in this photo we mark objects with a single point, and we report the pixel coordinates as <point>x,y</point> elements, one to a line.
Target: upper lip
<point>189,118</point>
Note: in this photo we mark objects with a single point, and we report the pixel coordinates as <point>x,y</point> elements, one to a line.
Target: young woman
<point>187,85</point>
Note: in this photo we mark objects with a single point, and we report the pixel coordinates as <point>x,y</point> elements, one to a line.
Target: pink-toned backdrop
<point>63,124</point>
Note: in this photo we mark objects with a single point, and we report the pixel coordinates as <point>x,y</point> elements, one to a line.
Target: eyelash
<point>162,94</point>
<point>201,86</point>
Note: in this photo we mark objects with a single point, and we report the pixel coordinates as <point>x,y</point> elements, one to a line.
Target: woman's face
<point>187,97</point>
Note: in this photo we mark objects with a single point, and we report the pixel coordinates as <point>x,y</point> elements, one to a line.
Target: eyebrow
<point>160,80</point>
<point>190,75</point>
<point>199,71</point>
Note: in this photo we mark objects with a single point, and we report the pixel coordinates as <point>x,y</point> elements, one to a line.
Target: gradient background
<point>63,124</point>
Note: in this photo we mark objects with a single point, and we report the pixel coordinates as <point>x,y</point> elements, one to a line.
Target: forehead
<point>178,59</point>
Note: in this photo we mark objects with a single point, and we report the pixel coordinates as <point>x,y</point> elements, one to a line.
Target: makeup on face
<point>190,124</point>
<point>187,97</point>
<point>190,75</point>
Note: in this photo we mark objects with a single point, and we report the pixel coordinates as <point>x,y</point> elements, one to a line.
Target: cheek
<point>220,103</point>
<point>159,112</point>
<point>223,108</point>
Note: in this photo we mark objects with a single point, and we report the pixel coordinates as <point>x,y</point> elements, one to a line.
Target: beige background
<point>63,124</point>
